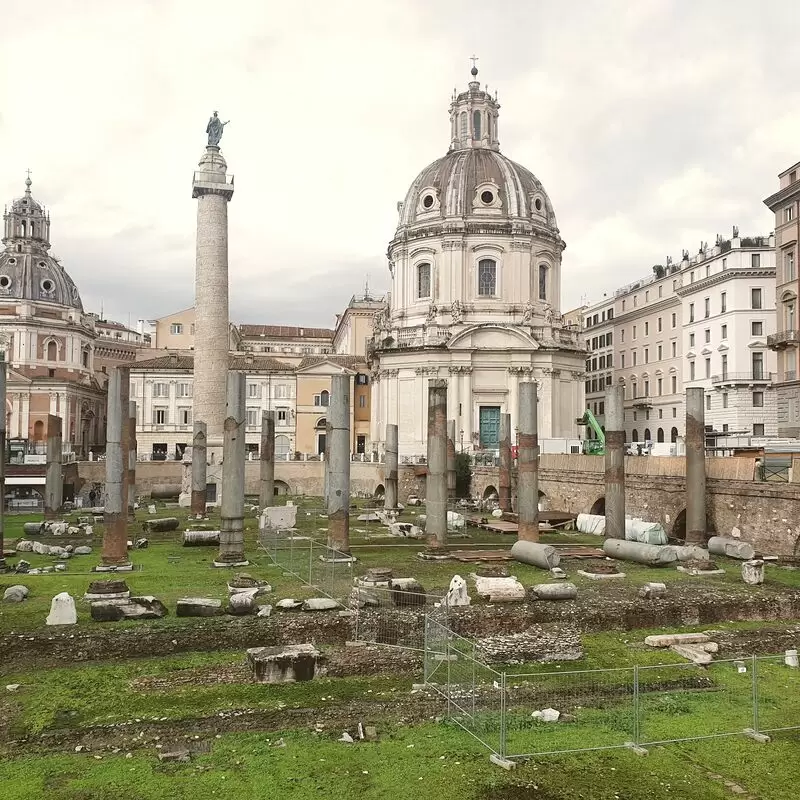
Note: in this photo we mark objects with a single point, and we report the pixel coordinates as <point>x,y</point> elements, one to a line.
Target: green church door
<point>489,427</point>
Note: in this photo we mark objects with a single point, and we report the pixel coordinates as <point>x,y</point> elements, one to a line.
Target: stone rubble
<point>62,610</point>
<point>15,594</point>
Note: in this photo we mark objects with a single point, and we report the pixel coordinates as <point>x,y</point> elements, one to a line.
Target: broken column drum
<point>390,494</point>
<point>266,491</point>
<point>528,464</point>
<point>436,485</point>
<point>199,469</point>
<point>504,481</point>
<point>615,463</point>
<point>338,446</point>
<point>231,534</point>
<point>54,482</point>
<point>451,461</point>
<point>115,516</point>
<point>695,466</point>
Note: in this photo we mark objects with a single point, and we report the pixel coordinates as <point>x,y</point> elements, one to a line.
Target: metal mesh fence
<point>525,714</point>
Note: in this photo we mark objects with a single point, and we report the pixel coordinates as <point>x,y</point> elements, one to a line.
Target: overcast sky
<point>653,124</point>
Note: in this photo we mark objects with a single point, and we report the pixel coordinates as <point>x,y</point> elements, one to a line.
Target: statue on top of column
<point>214,129</point>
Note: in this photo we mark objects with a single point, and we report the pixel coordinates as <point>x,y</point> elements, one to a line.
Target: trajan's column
<point>213,189</point>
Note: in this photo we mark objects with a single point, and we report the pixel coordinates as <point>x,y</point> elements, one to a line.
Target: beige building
<point>290,343</point>
<point>176,332</point>
<point>313,398</point>
<point>117,345</point>
<point>785,204</point>
<point>354,325</point>
<point>49,342</point>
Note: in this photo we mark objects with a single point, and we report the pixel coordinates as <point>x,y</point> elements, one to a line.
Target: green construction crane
<point>596,446</point>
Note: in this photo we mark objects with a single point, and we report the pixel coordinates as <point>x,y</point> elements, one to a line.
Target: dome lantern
<point>473,117</point>
<point>27,224</point>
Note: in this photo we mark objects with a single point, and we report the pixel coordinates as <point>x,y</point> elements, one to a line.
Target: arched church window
<point>487,277</point>
<point>423,280</point>
<point>33,229</point>
<point>635,435</point>
<point>463,124</point>
<point>489,125</point>
<point>476,124</point>
<point>324,398</point>
<point>543,281</point>
<point>22,225</point>
<point>52,351</point>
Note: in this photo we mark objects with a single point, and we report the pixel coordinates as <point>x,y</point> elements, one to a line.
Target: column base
<point>113,568</point>
<point>223,564</point>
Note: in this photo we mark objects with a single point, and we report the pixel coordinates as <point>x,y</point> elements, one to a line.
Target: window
<point>707,307</point>
<point>658,324</point>
<point>647,355</point>
<point>674,348</point>
<point>724,361</point>
<point>634,332</point>
<point>622,336</point>
<point>633,356</point>
<point>707,334</point>
<point>758,429</point>
<point>646,328</point>
<point>253,417</point>
<point>184,390</point>
<point>660,291</point>
<point>674,320</point>
<point>282,415</point>
<point>543,281</point>
<point>184,416</point>
<point>723,302</point>
<point>724,332</point>
<point>281,391</point>
<point>691,370</point>
<point>176,328</point>
<point>609,339</point>
<point>725,427</point>
<point>708,270</point>
<point>755,260</point>
<point>463,123</point>
<point>602,362</point>
<point>423,280</point>
<point>788,308</point>
<point>708,368</point>
<point>660,385</point>
<point>788,266</point>
<point>159,416</point>
<point>52,351</point>
<point>708,402</point>
<point>610,360</point>
<point>758,399</point>
<point>725,400</point>
<point>756,328</point>
<point>647,296</point>
<point>691,277</point>
<point>362,401</point>
<point>160,390</point>
<point>362,379</point>
<point>691,312</point>
<point>476,124</point>
<point>758,366</point>
<point>322,399</point>
<point>254,391</point>
<point>658,351</point>
<point>487,277</point>
<point>755,298</point>
<point>622,361</point>
<point>634,390</point>
<point>623,305</point>
<point>788,213</point>
<point>191,329</point>
<point>602,408</point>
<point>674,385</point>
<point>691,340</point>
<point>635,300</point>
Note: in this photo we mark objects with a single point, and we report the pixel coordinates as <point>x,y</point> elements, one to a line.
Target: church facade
<point>475,264</point>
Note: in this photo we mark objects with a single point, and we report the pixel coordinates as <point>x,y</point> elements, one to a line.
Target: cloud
<point>652,125</point>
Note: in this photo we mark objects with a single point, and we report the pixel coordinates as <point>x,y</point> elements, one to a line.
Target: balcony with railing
<point>749,378</point>
<point>778,341</point>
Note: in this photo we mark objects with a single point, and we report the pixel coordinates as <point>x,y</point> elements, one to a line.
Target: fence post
<point>447,657</point>
<point>473,680</point>
<point>636,732</point>
<point>502,753</point>
<point>754,674</point>
<point>310,560</point>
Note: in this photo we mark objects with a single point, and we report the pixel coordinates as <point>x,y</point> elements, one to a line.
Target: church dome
<point>476,181</point>
<point>27,270</point>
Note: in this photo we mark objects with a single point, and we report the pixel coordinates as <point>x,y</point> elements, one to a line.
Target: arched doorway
<point>673,436</point>
<point>380,490</point>
<point>322,438</point>
<point>543,504</point>
<point>38,430</point>
<point>490,493</point>
<point>660,435</point>
<point>282,445</point>
<point>647,434</point>
<point>635,435</point>
<point>679,526</point>
<point>281,487</point>
<point>599,506</point>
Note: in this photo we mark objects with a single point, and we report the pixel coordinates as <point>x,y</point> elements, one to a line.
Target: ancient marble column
<point>528,464</point>
<point>436,488</point>
<point>231,530</point>
<point>390,495</point>
<point>504,488</point>
<point>115,517</point>
<point>451,461</point>
<point>132,452</point>
<point>615,463</point>
<point>266,493</point>
<point>54,481</point>
<point>199,467</point>
<point>213,189</point>
<point>338,446</point>
<point>695,466</point>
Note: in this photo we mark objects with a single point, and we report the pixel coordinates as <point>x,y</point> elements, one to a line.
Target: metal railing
<point>743,377</point>
<point>547,711</point>
<point>782,338</point>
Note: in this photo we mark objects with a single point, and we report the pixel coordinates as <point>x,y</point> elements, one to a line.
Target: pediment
<point>326,368</point>
<point>493,337</point>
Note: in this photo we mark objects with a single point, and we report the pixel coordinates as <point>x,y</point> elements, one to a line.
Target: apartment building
<point>599,336</point>
<point>785,342</point>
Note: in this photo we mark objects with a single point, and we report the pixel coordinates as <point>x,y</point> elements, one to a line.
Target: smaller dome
<point>37,276</point>
<point>26,203</point>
